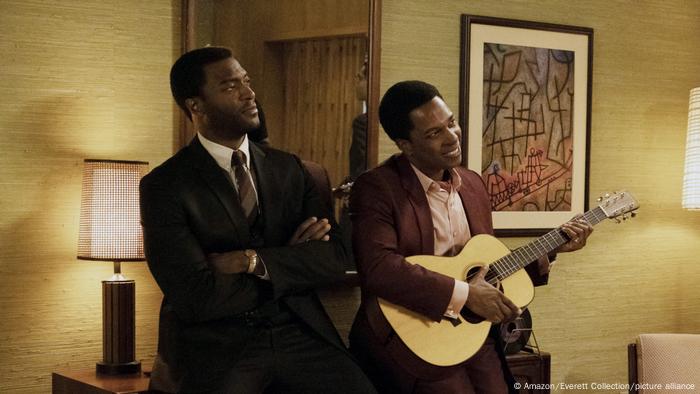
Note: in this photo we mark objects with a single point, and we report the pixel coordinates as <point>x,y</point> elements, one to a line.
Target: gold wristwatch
<point>252,260</point>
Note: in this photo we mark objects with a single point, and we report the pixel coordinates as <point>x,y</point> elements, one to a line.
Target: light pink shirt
<point>450,227</point>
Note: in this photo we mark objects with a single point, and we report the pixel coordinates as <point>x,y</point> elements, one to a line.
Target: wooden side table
<point>88,381</point>
<point>530,368</point>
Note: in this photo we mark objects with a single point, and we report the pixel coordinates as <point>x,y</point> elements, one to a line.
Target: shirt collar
<point>222,154</point>
<point>427,182</point>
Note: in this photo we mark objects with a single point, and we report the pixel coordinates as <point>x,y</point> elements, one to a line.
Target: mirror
<point>314,66</point>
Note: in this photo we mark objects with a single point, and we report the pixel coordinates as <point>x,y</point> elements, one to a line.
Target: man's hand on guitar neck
<point>578,230</point>
<point>488,302</point>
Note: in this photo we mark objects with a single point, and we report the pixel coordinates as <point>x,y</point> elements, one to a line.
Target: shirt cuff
<point>460,293</point>
<point>261,270</point>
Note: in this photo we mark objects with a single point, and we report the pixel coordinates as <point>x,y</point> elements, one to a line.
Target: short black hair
<point>399,101</point>
<point>187,74</point>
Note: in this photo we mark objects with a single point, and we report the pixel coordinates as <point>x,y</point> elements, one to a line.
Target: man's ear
<point>405,146</point>
<point>193,105</point>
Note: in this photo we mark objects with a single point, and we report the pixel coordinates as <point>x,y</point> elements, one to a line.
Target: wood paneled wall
<point>631,278</point>
<point>320,100</point>
<point>245,25</point>
<point>78,79</point>
<point>257,45</point>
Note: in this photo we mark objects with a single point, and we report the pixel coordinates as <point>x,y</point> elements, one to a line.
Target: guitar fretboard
<point>524,255</point>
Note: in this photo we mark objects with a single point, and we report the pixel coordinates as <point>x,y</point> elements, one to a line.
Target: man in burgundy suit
<point>421,202</point>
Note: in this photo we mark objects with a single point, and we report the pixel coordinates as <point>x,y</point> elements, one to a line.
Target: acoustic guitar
<point>452,341</point>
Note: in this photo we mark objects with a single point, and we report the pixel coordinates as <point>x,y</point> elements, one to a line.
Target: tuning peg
<point>599,199</point>
<point>617,220</point>
<point>607,195</point>
<point>633,214</point>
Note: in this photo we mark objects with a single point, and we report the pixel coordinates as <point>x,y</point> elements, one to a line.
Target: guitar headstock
<point>618,204</point>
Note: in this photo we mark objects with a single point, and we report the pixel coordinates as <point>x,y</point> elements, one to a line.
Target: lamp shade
<point>110,227</point>
<point>691,179</point>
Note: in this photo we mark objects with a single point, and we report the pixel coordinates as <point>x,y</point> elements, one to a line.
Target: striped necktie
<point>246,192</point>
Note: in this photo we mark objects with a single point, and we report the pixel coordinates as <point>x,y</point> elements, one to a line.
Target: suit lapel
<point>219,183</point>
<point>417,198</point>
<point>468,192</point>
<point>267,188</point>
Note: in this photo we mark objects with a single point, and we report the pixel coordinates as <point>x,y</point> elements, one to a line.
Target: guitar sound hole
<point>472,273</point>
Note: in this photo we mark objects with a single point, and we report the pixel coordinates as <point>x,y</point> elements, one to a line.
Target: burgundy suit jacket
<point>391,220</point>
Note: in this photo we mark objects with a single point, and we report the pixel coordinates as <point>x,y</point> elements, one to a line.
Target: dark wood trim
<point>352,31</point>
<point>465,32</point>
<point>521,24</point>
<point>87,381</point>
<point>589,103</point>
<point>633,378</point>
<point>531,368</point>
<point>375,50</point>
<point>189,21</point>
<point>188,42</point>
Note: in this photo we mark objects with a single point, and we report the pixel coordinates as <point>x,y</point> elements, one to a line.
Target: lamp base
<point>119,369</point>
<point>118,327</point>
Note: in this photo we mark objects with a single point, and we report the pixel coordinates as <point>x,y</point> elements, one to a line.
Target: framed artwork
<point>525,104</point>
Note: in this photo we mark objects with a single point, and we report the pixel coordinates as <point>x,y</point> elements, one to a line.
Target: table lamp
<point>691,178</point>
<point>110,230</point>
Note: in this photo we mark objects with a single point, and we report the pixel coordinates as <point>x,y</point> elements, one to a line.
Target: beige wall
<point>631,278</point>
<point>80,79</point>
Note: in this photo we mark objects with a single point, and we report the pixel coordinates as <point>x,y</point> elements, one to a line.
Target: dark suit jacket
<point>189,208</point>
<point>391,220</point>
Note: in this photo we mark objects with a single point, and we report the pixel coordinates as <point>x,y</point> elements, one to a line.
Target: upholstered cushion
<point>666,362</point>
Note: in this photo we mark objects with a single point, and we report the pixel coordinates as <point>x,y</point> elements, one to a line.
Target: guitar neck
<point>542,246</point>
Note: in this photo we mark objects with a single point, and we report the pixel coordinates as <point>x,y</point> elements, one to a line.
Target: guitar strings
<point>509,264</point>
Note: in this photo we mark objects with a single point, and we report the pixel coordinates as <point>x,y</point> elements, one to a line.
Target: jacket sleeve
<point>384,271</point>
<point>178,263</point>
<point>308,264</point>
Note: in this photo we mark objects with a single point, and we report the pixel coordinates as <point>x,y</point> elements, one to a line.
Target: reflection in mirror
<point>308,60</point>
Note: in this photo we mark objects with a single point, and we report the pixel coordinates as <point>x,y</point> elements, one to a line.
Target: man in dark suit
<point>422,202</point>
<point>237,239</point>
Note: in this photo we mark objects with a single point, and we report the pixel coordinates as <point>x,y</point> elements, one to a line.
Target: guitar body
<point>442,343</point>
<point>445,344</point>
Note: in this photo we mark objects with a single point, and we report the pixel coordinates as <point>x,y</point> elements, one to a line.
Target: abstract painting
<point>525,114</point>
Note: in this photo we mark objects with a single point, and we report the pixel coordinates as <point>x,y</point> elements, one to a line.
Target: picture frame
<point>525,113</point>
